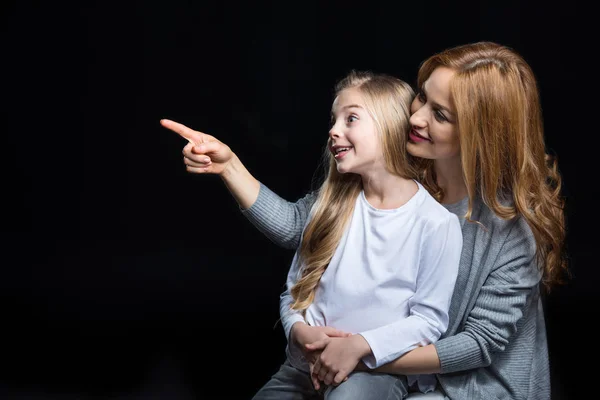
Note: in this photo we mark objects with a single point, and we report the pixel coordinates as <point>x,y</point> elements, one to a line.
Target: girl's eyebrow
<point>349,106</point>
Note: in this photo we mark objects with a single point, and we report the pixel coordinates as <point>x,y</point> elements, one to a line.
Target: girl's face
<point>353,138</point>
<point>433,134</point>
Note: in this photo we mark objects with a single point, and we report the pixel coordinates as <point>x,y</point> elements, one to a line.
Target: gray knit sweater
<point>495,346</point>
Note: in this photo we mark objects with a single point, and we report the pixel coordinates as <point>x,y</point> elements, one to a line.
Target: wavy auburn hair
<point>503,154</point>
<point>387,100</point>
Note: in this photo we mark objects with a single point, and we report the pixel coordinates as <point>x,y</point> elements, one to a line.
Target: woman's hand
<point>204,154</point>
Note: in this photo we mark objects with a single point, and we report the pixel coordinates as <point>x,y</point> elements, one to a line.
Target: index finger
<point>183,131</point>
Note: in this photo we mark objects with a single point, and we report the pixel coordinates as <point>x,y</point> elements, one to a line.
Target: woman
<point>478,135</point>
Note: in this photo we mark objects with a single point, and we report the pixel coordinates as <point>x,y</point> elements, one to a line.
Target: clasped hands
<point>332,354</point>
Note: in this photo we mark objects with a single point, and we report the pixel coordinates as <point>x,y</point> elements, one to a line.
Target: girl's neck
<point>450,178</point>
<point>388,191</point>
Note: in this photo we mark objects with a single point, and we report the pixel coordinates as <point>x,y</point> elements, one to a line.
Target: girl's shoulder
<point>432,209</point>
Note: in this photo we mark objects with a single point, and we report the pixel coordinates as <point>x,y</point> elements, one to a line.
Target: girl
<point>378,256</point>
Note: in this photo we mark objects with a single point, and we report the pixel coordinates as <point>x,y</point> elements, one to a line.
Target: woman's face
<point>433,133</point>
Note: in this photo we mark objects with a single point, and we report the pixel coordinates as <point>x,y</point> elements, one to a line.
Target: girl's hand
<point>303,334</point>
<point>338,358</point>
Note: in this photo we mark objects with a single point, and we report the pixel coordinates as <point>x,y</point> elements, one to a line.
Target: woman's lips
<point>414,136</point>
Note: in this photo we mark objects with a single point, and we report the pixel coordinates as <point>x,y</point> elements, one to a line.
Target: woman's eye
<point>421,97</point>
<point>440,116</point>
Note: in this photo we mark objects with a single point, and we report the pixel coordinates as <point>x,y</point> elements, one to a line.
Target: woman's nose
<point>418,119</point>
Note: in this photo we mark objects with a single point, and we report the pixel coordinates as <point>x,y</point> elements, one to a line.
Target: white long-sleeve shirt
<point>390,280</point>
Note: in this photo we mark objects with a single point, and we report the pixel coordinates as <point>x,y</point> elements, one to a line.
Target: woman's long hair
<point>503,154</point>
<point>387,100</point>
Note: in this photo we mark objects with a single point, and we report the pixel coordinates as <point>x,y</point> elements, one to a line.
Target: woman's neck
<point>388,191</point>
<point>450,178</point>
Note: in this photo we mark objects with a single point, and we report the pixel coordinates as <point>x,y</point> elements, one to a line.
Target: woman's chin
<point>417,151</point>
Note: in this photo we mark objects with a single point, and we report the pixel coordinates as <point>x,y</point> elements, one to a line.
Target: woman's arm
<point>501,303</point>
<point>422,360</point>
<point>205,154</point>
<point>281,221</point>
<point>278,219</point>
<point>241,184</point>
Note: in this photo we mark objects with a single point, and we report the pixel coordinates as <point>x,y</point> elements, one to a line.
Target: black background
<point>125,277</point>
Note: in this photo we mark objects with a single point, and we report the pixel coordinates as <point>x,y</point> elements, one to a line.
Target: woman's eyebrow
<point>436,104</point>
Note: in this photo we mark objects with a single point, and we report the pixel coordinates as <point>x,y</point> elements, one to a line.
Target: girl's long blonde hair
<point>387,100</point>
<point>503,154</point>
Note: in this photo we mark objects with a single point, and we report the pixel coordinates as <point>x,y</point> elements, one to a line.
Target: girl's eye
<point>352,118</point>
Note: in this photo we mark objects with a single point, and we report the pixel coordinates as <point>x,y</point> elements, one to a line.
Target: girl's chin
<point>343,170</point>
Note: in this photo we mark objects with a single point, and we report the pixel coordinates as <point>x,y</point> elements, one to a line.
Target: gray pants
<point>290,383</point>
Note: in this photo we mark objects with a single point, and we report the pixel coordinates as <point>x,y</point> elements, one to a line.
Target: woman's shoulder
<point>510,243</point>
<point>515,228</point>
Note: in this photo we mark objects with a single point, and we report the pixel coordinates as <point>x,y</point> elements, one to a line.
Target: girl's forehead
<point>347,97</point>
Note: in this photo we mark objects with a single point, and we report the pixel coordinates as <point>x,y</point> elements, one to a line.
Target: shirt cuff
<point>458,353</point>
<point>379,356</point>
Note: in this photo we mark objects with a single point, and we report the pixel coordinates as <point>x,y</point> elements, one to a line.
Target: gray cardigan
<point>495,346</point>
